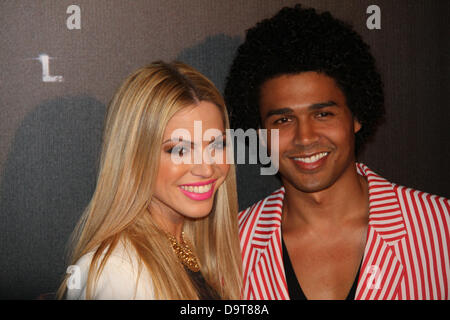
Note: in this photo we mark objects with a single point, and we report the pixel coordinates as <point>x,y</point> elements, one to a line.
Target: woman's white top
<point>119,279</point>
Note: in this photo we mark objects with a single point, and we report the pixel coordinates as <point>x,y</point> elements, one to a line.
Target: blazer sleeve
<point>119,280</point>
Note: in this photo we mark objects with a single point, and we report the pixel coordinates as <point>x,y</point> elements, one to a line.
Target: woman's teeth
<point>197,189</point>
<point>313,158</point>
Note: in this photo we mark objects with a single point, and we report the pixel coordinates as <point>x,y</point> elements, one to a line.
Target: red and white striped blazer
<point>406,254</point>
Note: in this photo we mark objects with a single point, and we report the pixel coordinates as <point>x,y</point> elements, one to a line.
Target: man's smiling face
<point>316,129</point>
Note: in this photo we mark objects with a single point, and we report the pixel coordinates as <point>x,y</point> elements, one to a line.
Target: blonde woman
<point>157,228</point>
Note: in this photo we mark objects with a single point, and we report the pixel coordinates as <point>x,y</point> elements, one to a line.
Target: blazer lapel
<point>267,278</point>
<point>382,269</point>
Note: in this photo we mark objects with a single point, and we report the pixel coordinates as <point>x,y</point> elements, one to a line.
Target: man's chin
<point>308,184</point>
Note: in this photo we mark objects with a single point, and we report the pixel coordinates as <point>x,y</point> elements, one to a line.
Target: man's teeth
<point>313,158</point>
<point>197,189</point>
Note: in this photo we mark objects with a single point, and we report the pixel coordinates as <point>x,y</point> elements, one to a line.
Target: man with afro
<point>335,229</point>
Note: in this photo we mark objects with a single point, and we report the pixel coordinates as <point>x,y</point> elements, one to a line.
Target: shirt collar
<point>385,215</point>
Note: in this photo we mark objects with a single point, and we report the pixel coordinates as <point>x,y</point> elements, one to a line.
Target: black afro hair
<point>298,40</point>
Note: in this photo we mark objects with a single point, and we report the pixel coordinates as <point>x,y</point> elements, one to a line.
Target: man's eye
<point>281,120</point>
<point>324,114</point>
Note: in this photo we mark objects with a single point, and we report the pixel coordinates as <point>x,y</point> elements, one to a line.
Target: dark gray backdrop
<point>50,131</point>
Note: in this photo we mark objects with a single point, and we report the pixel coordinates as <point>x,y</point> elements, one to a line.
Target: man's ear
<point>356,125</point>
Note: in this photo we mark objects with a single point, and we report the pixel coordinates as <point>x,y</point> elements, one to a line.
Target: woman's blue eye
<point>180,150</point>
<point>219,144</point>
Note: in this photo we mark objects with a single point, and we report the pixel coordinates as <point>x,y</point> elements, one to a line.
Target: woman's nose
<point>204,168</point>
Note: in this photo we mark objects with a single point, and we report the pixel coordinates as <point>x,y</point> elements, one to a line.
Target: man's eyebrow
<point>313,106</point>
<point>279,111</point>
<point>322,105</point>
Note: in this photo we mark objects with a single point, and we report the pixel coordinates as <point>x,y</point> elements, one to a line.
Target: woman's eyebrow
<point>223,135</point>
<point>179,140</point>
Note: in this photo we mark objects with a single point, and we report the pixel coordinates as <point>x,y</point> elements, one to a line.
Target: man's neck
<point>346,200</point>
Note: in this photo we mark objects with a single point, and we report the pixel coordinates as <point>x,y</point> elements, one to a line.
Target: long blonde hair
<point>134,128</point>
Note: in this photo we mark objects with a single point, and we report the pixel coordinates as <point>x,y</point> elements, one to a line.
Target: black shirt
<point>294,289</point>
<point>204,290</point>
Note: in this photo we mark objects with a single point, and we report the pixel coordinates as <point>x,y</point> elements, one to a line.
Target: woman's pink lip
<point>201,183</point>
<point>199,196</point>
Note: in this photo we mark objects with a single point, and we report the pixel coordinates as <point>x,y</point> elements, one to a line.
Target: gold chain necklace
<point>184,253</point>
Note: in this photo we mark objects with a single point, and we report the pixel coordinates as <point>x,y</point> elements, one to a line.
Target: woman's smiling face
<point>187,188</point>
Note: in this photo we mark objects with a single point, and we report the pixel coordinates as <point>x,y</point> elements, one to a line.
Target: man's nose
<point>305,133</point>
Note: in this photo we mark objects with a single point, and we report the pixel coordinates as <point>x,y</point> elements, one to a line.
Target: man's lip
<point>200,183</point>
<point>307,155</point>
<point>311,164</point>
